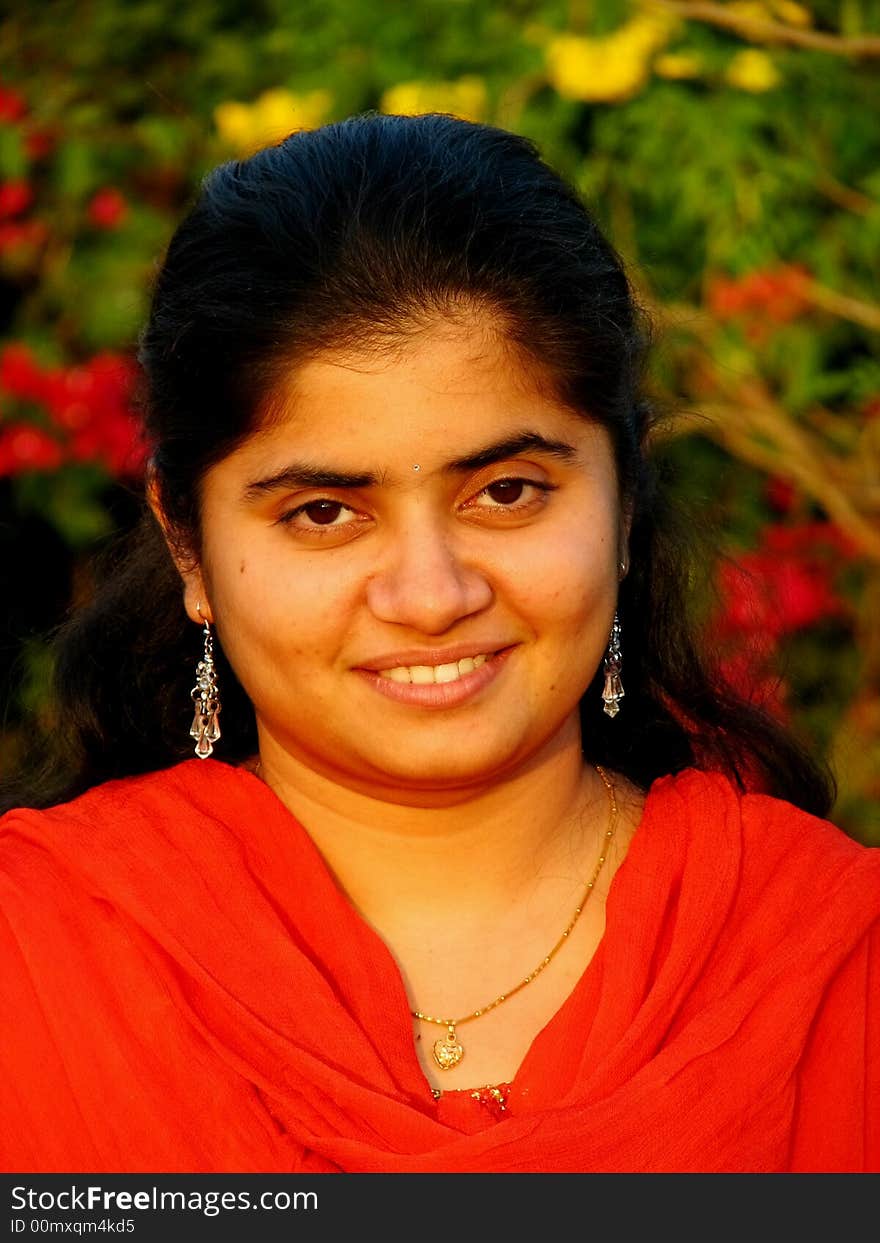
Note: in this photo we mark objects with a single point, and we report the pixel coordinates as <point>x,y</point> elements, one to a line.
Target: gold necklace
<point>448,1050</point>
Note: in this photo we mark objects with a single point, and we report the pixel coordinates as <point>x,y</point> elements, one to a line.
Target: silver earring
<point>206,697</point>
<point>612,692</point>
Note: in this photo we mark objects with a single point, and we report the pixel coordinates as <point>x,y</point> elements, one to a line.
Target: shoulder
<point>709,803</point>
<point>147,797</point>
<point>140,852</point>
<point>747,896</point>
<point>772,866</point>
<point>157,824</point>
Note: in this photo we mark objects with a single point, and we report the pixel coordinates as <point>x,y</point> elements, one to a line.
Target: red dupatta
<point>194,993</point>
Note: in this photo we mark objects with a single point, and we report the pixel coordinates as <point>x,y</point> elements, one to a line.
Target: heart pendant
<point>448,1052</point>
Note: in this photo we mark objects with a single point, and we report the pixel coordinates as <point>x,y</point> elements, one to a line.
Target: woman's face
<point>414,569</point>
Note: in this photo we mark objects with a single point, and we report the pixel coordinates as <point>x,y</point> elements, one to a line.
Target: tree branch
<point>770,31</point>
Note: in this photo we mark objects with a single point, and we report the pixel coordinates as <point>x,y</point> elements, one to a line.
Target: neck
<point>475,852</point>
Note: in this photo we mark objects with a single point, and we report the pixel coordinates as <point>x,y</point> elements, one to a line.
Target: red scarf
<point>193,993</point>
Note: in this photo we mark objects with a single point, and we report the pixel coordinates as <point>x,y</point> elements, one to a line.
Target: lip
<point>438,694</point>
<point>432,655</point>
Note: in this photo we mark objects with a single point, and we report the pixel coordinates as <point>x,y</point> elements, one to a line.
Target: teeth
<point>424,675</point>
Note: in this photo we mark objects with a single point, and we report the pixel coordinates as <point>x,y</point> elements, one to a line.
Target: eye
<point>322,514</point>
<point>512,494</point>
<point>506,491</point>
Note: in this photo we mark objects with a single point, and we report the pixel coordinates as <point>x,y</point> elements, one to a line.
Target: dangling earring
<point>612,692</point>
<point>206,697</point>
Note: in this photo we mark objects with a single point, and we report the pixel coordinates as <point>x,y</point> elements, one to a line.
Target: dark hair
<point>350,236</point>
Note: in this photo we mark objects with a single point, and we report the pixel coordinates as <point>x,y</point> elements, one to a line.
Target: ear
<point>196,600</point>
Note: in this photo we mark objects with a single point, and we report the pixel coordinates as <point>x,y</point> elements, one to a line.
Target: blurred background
<point>730,149</point>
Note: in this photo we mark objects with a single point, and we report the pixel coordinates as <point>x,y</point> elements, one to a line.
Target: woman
<point>475,867</point>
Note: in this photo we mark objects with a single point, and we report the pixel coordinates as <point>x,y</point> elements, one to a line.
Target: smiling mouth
<point>426,675</point>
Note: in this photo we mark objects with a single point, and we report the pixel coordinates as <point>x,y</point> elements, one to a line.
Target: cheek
<point>567,580</point>
<point>276,610</point>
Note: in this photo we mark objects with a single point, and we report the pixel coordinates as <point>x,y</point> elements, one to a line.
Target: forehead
<point>441,393</point>
<point>442,368</point>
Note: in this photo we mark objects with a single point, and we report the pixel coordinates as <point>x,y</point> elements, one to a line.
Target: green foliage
<point>70,500</point>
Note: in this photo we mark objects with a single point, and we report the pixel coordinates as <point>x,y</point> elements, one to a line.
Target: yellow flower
<point>647,32</point>
<point>582,68</point>
<point>752,70</point>
<point>270,118</point>
<point>465,98</point>
<point>613,67</point>
<point>678,65</point>
<point>233,122</point>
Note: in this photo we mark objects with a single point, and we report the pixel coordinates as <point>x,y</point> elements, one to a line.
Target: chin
<point>441,772</point>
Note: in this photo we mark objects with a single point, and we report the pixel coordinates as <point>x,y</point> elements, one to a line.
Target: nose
<point>424,583</point>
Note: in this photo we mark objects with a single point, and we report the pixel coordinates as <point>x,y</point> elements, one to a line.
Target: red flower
<point>107,209</point>
<point>778,294</point>
<point>12,105</point>
<point>24,447</point>
<point>725,297</point>
<point>747,672</point>
<point>90,406</point>
<point>16,234</point>
<point>38,143</point>
<point>814,540</point>
<point>785,585</point>
<point>15,198</point>
<point>780,494</point>
<point>773,598</point>
<point>21,375</point>
<point>113,441</point>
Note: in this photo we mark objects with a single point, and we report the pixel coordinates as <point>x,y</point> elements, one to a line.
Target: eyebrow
<point>511,446</point>
<point>308,475</point>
